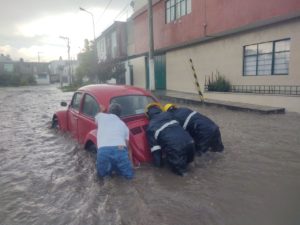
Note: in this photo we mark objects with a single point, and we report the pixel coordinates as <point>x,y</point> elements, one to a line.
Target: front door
<point>73,114</point>
<point>86,122</point>
<point>160,72</point>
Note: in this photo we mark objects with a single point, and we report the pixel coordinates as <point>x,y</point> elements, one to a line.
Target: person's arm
<point>101,109</point>
<point>155,150</point>
<point>96,119</point>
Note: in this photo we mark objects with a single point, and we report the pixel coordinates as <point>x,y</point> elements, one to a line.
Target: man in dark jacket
<point>205,132</point>
<point>166,136</point>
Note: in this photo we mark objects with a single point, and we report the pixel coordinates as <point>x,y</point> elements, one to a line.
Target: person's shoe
<point>180,172</point>
<point>219,148</point>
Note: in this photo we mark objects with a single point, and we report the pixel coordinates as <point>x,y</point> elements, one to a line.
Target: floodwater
<point>46,178</point>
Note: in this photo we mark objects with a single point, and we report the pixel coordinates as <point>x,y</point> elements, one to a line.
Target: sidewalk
<point>231,101</point>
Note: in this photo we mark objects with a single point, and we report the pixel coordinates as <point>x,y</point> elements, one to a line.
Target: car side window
<point>75,104</point>
<point>90,106</point>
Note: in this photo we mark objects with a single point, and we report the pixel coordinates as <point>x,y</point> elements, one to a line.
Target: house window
<point>8,68</point>
<point>267,58</point>
<point>177,8</point>
<point>114,44</point>
<point>42,76</point>
<point>101,49</point>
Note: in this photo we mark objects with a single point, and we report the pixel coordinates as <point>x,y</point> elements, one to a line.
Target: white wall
<point>226,56</point>
<point>139,72</point>
<point>42,78</point>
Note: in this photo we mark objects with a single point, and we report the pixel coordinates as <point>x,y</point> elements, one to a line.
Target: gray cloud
<point>16,12</point>
<point>23,42</point>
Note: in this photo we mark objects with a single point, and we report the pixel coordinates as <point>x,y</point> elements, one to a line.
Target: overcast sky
<point>32,27</point>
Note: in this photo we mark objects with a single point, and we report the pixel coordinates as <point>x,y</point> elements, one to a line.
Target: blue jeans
<point>114,158</point>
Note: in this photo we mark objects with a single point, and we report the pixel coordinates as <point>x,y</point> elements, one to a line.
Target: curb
<point>225,104</point>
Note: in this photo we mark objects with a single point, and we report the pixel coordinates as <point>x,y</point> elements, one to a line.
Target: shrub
<point>219,84</point>
<point>16,80</point>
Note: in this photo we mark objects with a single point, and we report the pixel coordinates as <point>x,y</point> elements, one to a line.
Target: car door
<point>73,114</point>
<point>86,121</point>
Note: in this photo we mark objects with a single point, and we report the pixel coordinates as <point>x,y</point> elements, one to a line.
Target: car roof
<point>105,92</point>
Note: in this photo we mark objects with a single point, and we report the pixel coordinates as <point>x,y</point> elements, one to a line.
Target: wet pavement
<point>46,178</point>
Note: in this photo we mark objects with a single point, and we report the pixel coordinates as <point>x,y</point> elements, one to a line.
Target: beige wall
<point>139,72</point>
<point>226,56</point>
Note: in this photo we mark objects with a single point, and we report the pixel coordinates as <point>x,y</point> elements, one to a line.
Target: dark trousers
<point>212,143</point>
<point>179,159</point>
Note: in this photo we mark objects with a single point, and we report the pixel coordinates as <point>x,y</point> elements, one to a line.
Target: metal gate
<point>160,72</point>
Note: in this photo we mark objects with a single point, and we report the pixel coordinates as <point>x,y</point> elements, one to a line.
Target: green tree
<point>87,63</point>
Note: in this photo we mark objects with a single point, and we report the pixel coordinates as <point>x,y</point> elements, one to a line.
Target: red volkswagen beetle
<point>78,118</point>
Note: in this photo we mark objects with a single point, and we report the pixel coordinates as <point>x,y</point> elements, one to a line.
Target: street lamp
<point>82,9</point>
<point>69,63</point>
<point>95,45</point>
<point>38,65</point>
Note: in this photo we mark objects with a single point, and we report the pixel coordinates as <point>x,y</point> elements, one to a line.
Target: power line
<point>123,10</point>
<point>119,13</point>
<point>106,7</point>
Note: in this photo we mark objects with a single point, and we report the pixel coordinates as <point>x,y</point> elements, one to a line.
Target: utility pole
<point>39,56</point>
<point>151,47</point>
<point>69,62</point>
<point>38,65</point>
<point>95,44</point>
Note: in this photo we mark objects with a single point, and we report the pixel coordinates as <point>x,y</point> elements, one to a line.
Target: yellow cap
<point>153,104</point>
<point>168,106</point>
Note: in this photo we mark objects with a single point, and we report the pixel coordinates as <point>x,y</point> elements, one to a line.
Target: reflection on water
<point>46,178</point>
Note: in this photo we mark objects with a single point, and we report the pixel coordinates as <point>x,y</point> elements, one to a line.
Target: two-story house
<point>111,47</point>
<point>252,43</point>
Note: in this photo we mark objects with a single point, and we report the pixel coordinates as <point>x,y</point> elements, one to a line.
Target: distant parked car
<point>78,118</point>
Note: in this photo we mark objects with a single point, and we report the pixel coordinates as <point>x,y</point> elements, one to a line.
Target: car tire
<point>55,123</point>
<point>92,148</point>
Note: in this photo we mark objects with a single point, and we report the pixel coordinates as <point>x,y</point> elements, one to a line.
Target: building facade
<point>253,44</point>
<point>111,48</point>
<point>63,71</point>
<point>112,43</point>
<point>39,70</point>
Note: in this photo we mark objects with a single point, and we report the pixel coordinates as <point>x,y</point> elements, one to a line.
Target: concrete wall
<point>226,56</point>
<point>139,72</point>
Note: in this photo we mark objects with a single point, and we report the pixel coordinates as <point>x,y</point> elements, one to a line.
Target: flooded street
<point>46,178</point>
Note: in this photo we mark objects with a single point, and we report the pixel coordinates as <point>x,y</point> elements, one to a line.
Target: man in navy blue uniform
<point>204,131</point>
<point>166,136</point>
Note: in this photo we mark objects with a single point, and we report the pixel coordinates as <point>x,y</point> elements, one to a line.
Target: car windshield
<point>132,104</point>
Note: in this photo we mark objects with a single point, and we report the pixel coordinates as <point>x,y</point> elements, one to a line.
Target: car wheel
<point>55,123</point>
<point>91,148</point>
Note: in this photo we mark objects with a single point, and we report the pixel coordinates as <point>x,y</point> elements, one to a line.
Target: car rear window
<point>132,104</point>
